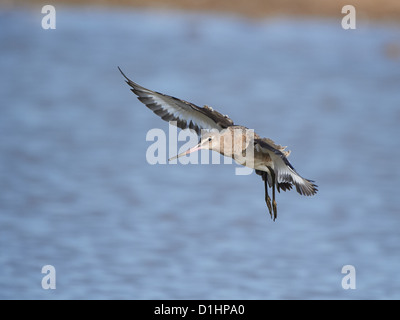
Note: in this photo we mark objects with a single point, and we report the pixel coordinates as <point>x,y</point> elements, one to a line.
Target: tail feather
<point>284,186</point>
<point>303,186</point>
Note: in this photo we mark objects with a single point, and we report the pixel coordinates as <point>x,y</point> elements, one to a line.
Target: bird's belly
<point>258,161</point>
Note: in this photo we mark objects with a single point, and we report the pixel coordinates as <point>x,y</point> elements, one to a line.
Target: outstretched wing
<point>186,114</point>
<point>284,170</point>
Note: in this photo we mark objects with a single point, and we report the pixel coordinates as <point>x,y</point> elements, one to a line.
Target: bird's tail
<point>303,186</point>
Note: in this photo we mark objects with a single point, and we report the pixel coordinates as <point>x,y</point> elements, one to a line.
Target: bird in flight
<point>219,133</point>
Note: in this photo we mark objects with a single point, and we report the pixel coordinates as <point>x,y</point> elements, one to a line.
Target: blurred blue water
<point>78,194</point>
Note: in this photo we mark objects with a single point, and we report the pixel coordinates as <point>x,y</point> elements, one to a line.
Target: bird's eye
<point>209,139</point>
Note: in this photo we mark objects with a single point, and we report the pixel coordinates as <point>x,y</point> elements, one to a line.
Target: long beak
<point>195,148</point>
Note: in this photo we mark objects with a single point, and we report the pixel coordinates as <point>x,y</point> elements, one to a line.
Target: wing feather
<point>186,114</point>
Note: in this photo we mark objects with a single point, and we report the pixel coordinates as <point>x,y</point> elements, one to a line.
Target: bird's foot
<point>268,201</point>
<point>275,209</point>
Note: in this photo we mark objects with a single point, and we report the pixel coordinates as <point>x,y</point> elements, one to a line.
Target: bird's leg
<point>274,206</point>
<point>267,198</point>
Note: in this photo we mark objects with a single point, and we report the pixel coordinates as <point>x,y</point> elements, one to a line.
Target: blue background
<point>77,192</point>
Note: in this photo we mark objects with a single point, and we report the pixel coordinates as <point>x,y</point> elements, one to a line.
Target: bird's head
<point>209,140</point>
